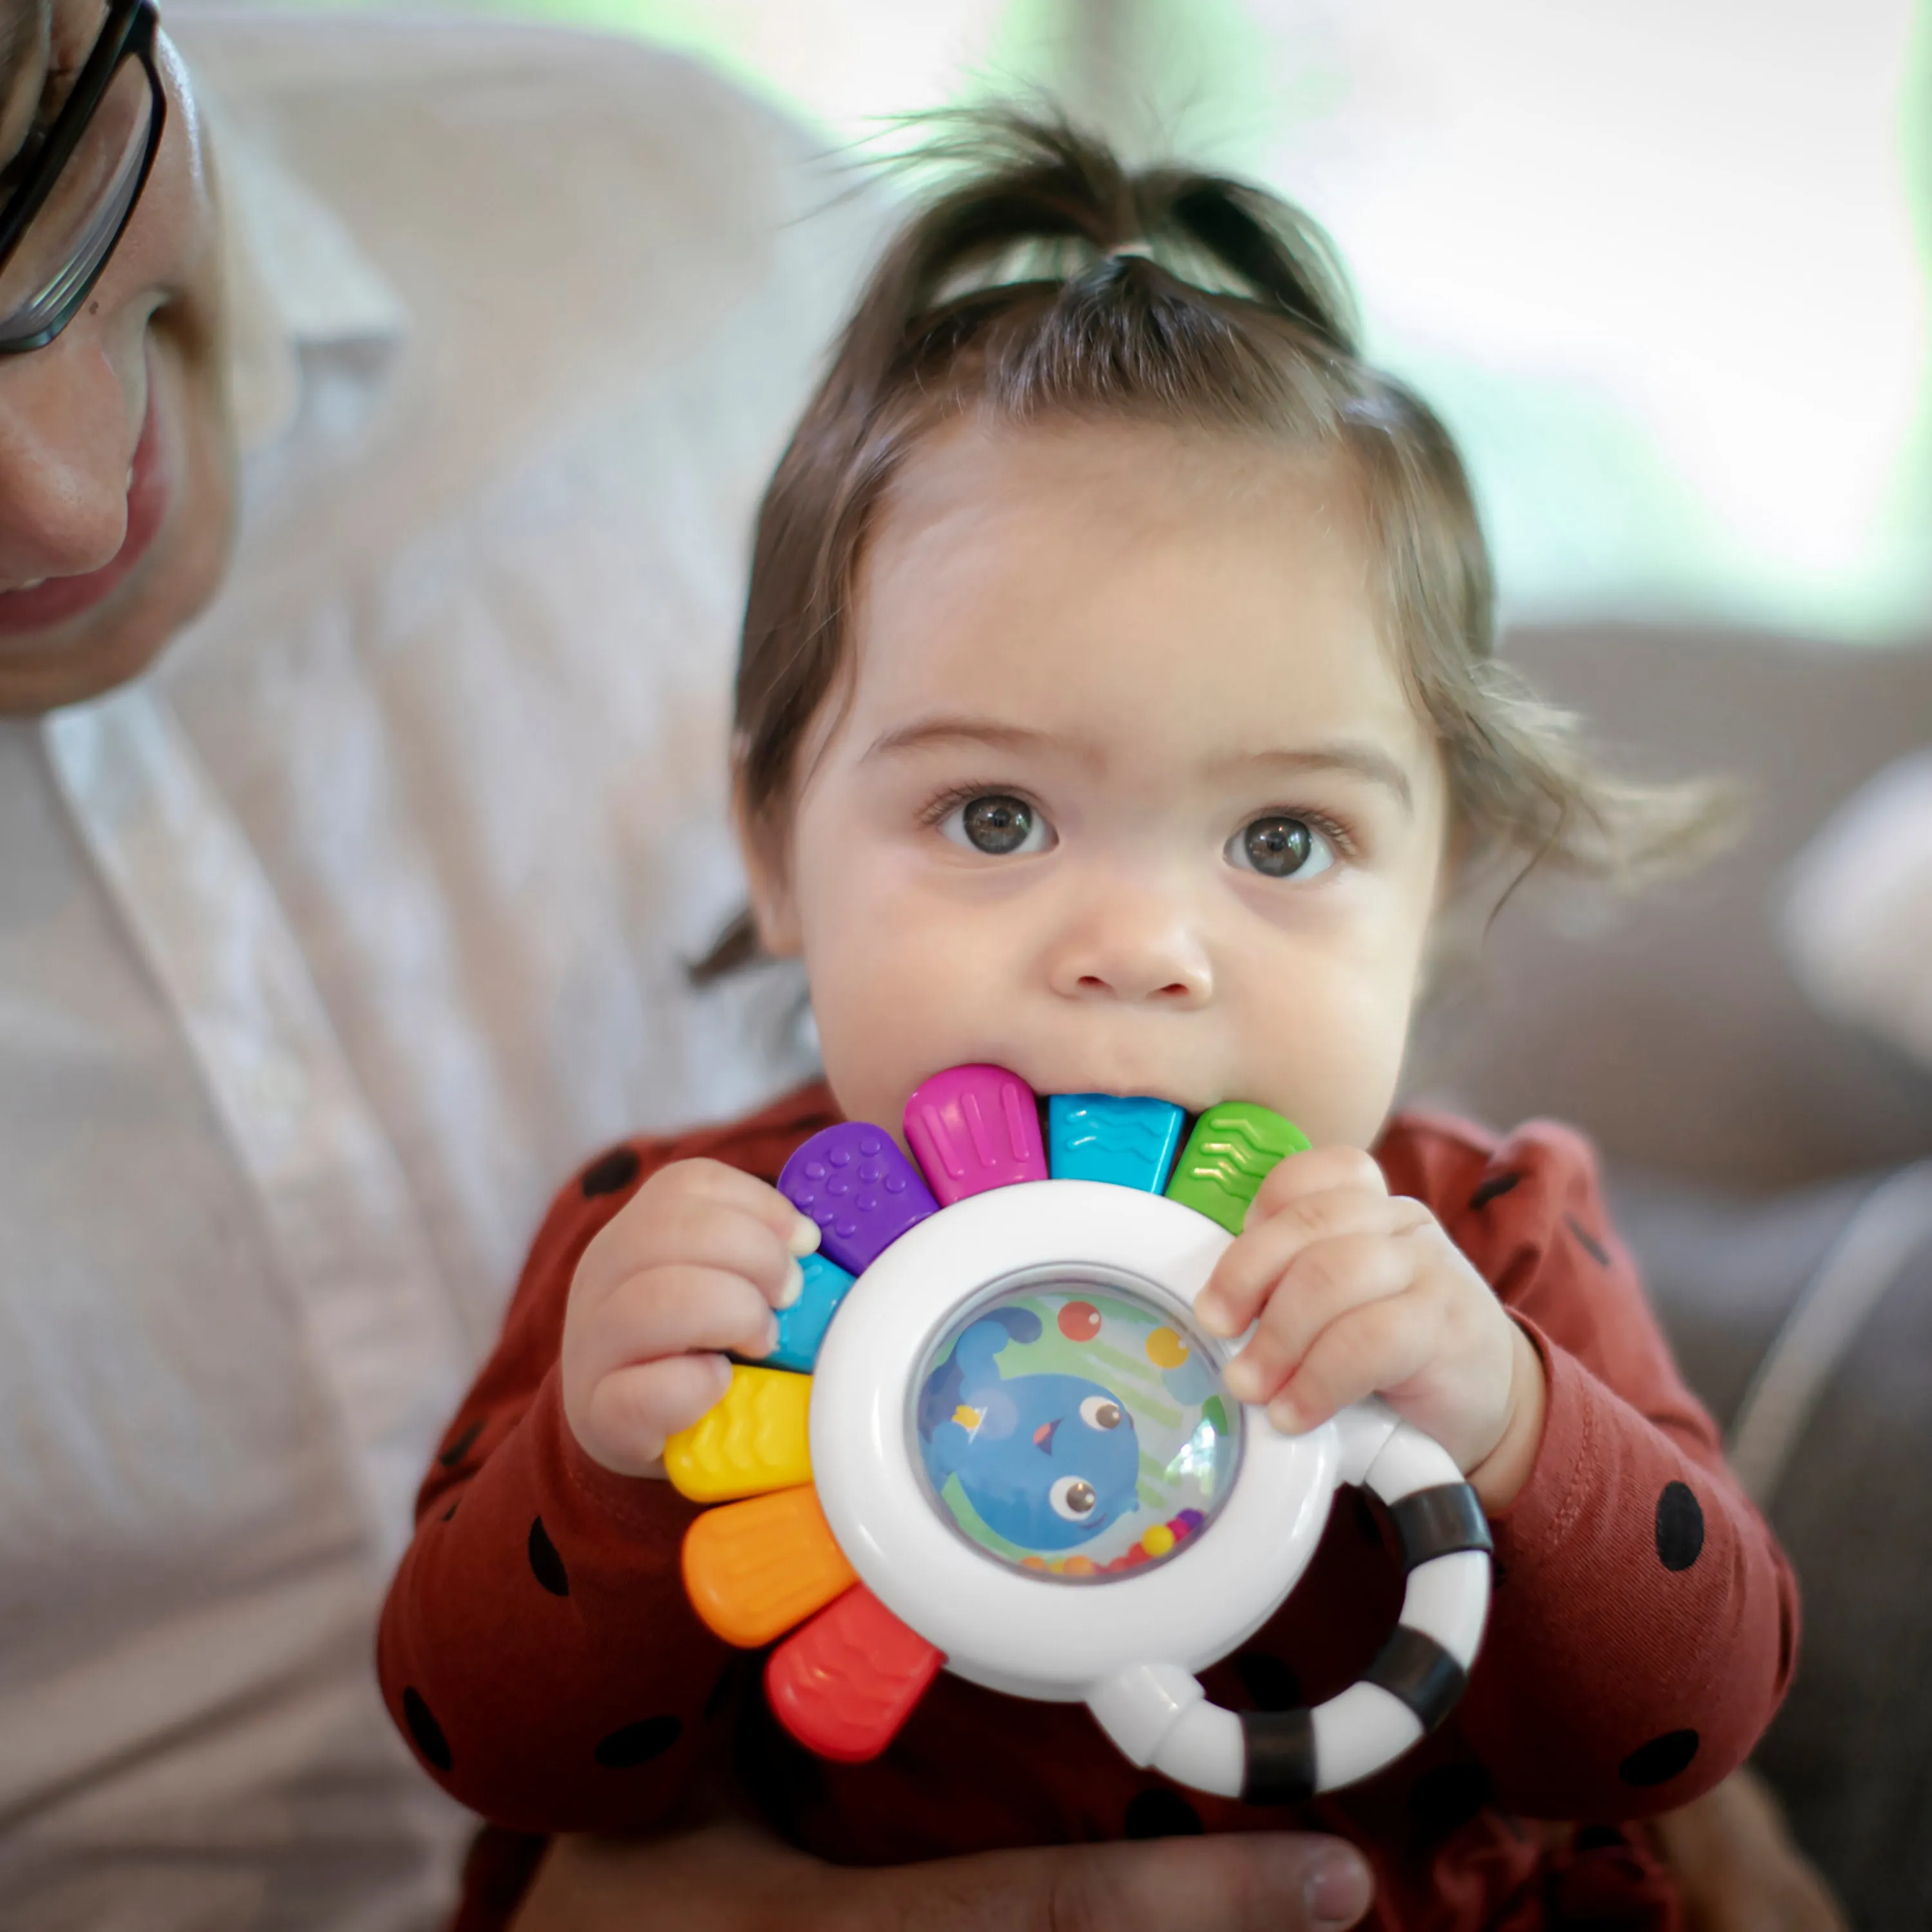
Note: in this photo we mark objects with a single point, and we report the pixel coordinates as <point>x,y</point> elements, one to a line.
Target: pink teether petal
<point>972,1128</point>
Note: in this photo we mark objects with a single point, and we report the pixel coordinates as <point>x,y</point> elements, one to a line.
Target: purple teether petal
<point>860,1189</point>
<point>975,1127</point>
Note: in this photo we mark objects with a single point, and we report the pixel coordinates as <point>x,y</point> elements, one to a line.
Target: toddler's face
<point>1126,793</point>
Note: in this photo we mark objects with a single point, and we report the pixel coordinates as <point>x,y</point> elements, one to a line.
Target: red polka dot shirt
<point>538,1651</point>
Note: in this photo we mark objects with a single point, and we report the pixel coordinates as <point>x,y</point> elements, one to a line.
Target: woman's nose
<point>66,443</point>
<point>1133,945</point>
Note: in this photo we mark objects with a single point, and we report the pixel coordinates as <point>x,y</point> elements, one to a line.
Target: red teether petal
<point>972,1128</point>
<point>844,1684</point>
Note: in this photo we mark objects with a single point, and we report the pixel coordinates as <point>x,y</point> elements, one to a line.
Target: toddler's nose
<point>1132,947</point>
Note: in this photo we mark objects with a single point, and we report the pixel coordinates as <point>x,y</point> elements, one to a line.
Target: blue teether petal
<point>1101,1137</point>
<point>801,1326</point>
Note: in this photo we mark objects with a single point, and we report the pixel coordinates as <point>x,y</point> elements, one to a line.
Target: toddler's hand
<point>694,1262</point>
<point>1357,1294</point>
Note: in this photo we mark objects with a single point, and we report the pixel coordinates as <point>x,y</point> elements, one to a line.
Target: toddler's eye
<point>1280,848</point>
<point>1073,1498</point>
<point>1099,1411</point>
<point>997,823</point>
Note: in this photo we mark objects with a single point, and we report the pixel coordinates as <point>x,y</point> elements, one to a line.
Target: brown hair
<point>1046,281</point>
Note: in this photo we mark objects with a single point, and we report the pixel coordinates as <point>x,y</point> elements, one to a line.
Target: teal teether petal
<point>1102,1137</point>
<point>801,1326</point>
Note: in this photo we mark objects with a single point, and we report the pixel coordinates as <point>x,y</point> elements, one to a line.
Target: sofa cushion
<point>1670,1027</point>
<point>1849,1494</point>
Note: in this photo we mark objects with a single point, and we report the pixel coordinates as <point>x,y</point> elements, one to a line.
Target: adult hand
<point>1732,1855</point>
<point>734,1877</point>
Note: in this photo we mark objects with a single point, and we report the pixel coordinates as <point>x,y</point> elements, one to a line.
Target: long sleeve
<point>537,1648</point>
<point>1644,1626</point>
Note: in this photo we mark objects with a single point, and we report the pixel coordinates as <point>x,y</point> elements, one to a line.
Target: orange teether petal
<point>754,1569</point>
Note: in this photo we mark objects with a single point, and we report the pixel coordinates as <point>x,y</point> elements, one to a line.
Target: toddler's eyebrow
<point>1365,761</point>
<point>987,731</point>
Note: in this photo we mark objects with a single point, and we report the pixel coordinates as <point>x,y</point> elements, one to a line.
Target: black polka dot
<point>610,1173</point>
<point>1680,1526</point>
<point>461,1446</point>
<point>1271,1683</point>
<point>1587,1241</point>
<point>1496,1185</point>
<point>546,1565</point>
<point>451,1511</point>
<point>1658,1762</point>
<point>638,1743</point>
<point>1450,1795</point>
<point>1599,1838</point>
<point>1162,1814</point>
<point>427,1732</point>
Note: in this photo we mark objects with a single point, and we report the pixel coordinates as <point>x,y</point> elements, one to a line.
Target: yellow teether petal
<point>753,1441</point>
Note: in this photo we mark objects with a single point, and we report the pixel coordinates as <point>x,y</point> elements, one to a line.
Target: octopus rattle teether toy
<point>991,1439</point>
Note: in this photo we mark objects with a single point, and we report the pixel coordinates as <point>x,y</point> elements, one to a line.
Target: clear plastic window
<point>1075,1426</point>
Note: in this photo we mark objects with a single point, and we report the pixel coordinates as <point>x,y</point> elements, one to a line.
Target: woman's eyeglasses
<point>78,181</point>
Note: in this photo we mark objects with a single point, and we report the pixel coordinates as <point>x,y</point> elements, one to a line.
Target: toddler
<point>1117,706</point>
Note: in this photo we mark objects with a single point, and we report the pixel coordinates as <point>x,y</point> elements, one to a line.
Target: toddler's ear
<point>763,841</point>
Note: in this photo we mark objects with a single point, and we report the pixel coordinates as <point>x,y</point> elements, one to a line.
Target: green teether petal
<point>1227,1157</point>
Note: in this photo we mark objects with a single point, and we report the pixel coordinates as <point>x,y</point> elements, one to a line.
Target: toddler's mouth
<point>1060,1078</point>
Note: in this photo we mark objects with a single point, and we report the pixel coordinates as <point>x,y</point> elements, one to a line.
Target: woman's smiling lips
<point>58,599</point>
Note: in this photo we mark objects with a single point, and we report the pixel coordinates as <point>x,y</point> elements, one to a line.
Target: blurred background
<point>1663,265</point>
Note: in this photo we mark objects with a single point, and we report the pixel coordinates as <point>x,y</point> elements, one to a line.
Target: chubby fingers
<point>681,1308</point>
<point>1346,1281</point>
<point>692,1266</point>
<point>646,1358</point>
<point>626,1417</point>
<point>1314,1170</point>
<point>1361,1328</point>
<point>702,1213</point>
<point>1339,1192</point>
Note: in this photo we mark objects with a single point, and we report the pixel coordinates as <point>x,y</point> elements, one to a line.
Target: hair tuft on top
<point>1006,293</point>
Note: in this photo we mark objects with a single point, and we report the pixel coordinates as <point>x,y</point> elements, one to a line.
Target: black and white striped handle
<point>1158,1713</point>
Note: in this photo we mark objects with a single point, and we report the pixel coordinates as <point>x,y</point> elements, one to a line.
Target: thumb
<point>1241,1882</point>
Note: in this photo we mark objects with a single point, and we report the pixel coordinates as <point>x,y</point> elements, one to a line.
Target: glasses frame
<point>127,33</point>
